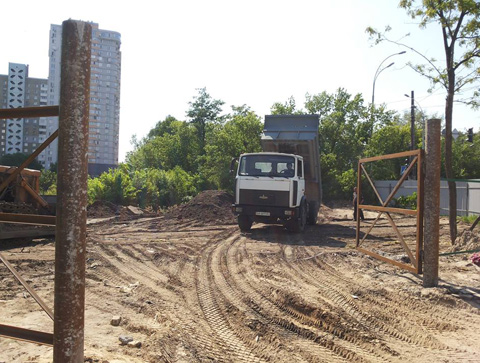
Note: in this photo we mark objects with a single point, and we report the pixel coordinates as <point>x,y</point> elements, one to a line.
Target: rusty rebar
<point>69,311</point>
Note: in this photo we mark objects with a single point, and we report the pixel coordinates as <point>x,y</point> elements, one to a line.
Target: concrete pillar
<point>69,313</point>
<point>431,203</point>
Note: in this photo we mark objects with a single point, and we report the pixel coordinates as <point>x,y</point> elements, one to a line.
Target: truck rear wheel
<point>245,223</point>
<point>312,213</point>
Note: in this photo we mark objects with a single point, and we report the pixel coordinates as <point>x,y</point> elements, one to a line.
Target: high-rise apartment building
<point>17,89</point>
<point>104,97</point>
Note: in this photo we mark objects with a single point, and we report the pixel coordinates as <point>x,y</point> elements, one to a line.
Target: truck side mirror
<point>232,165</point>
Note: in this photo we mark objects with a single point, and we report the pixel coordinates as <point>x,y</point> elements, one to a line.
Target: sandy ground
<point>196,290</point>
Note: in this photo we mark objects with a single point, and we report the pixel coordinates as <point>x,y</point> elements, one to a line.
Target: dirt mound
<point>467,241</point>
<point>209,207</point>
<point>102,209</point>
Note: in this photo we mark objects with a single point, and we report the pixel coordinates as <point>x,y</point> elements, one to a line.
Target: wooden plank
<point>390,156</point>
<point>34,194</point>
<point>377,208</point>
<point>10,169</point>
<point>385,259</point>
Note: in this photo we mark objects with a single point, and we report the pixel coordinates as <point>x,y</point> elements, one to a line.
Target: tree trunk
<point>452,189</point>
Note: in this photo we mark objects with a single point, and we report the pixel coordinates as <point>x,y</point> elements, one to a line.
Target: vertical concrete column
<point>69,314</point>
<point>431,203</point>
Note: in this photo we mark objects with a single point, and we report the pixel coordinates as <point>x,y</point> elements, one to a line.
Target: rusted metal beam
<point>28,233</point>
<point>36,219</point>
<point>71,228</point>
<point>420,210</point>
<point>389,156</point>
<point>375,208</point>
<point>32,157</point>
<point>28,112</point>
<point>386,259</point>
<point>26,286</point>
<point>26,335</point>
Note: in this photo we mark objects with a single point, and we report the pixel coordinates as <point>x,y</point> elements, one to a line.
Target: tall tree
<point>204,110</point>
<point>459,22</point>
<point>287,108</point>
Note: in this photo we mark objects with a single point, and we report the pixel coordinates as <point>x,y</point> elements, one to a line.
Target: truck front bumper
<point>264,212</point>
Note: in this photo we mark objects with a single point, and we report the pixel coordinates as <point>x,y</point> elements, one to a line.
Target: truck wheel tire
<point>245,223</point>
<point>312,213</point>
<point>298,224</point>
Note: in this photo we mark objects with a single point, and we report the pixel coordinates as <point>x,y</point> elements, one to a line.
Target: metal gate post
<point>69,312</point>
<point>432,203</point>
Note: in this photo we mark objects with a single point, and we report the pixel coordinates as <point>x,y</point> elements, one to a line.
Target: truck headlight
<point>289,212</point>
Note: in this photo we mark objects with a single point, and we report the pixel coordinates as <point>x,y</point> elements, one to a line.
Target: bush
<point>407,202</point>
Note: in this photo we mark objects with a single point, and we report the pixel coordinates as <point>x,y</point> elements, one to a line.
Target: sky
<point>252,52</point>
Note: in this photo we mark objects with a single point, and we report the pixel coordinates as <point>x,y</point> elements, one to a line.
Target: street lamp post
<point>380,70</point>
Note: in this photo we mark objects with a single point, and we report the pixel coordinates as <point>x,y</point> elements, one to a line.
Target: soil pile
<point>469,240</point>
<point>210,207</point>
<point>102,209</point>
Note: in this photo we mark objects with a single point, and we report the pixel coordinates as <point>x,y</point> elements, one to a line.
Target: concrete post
<point>431,203</point>
<point>69,313</point>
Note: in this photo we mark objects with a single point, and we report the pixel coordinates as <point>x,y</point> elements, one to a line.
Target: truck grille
<point>264,197</point>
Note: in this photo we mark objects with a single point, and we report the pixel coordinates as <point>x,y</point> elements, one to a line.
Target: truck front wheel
<point>312,213</point>
<point>245,223</point>
<point>298,224</point>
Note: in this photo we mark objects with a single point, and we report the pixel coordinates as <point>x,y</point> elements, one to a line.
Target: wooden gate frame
<point>416,261</point>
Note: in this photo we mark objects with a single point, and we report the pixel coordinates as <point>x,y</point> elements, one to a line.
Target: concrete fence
<point>468,194</point>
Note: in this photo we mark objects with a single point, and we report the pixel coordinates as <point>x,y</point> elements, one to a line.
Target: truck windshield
<point>267,165</point>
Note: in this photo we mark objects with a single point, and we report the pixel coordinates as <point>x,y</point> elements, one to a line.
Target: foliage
<point>241,134</point>
<point>17,159</point>
<point>345,130</point>
<point>172,143</point>
<point>146,187</point>
<point>390,139</point>
<point>48,182</point>
<point>287,108</point>
<point>204,111</point>
<point>468,219</point>
<point>406,201</point>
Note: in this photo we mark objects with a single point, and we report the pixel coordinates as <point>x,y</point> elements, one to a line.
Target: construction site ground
<point>190,287</point>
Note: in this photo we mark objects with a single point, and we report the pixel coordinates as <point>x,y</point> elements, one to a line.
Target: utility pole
<point>412,130</point>
<point>412,122</point>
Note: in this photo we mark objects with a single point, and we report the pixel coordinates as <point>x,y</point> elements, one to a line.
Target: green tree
<point>48,182</point>
<point>171,145</point>
<point>287,108</point>
<point>204,110</point>
<point>389,139</point>
<point>241,134</point>
<point>345,129</point>
<point>459,22</point>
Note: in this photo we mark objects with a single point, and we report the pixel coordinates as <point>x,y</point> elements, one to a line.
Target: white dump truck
<point>282,184</point>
